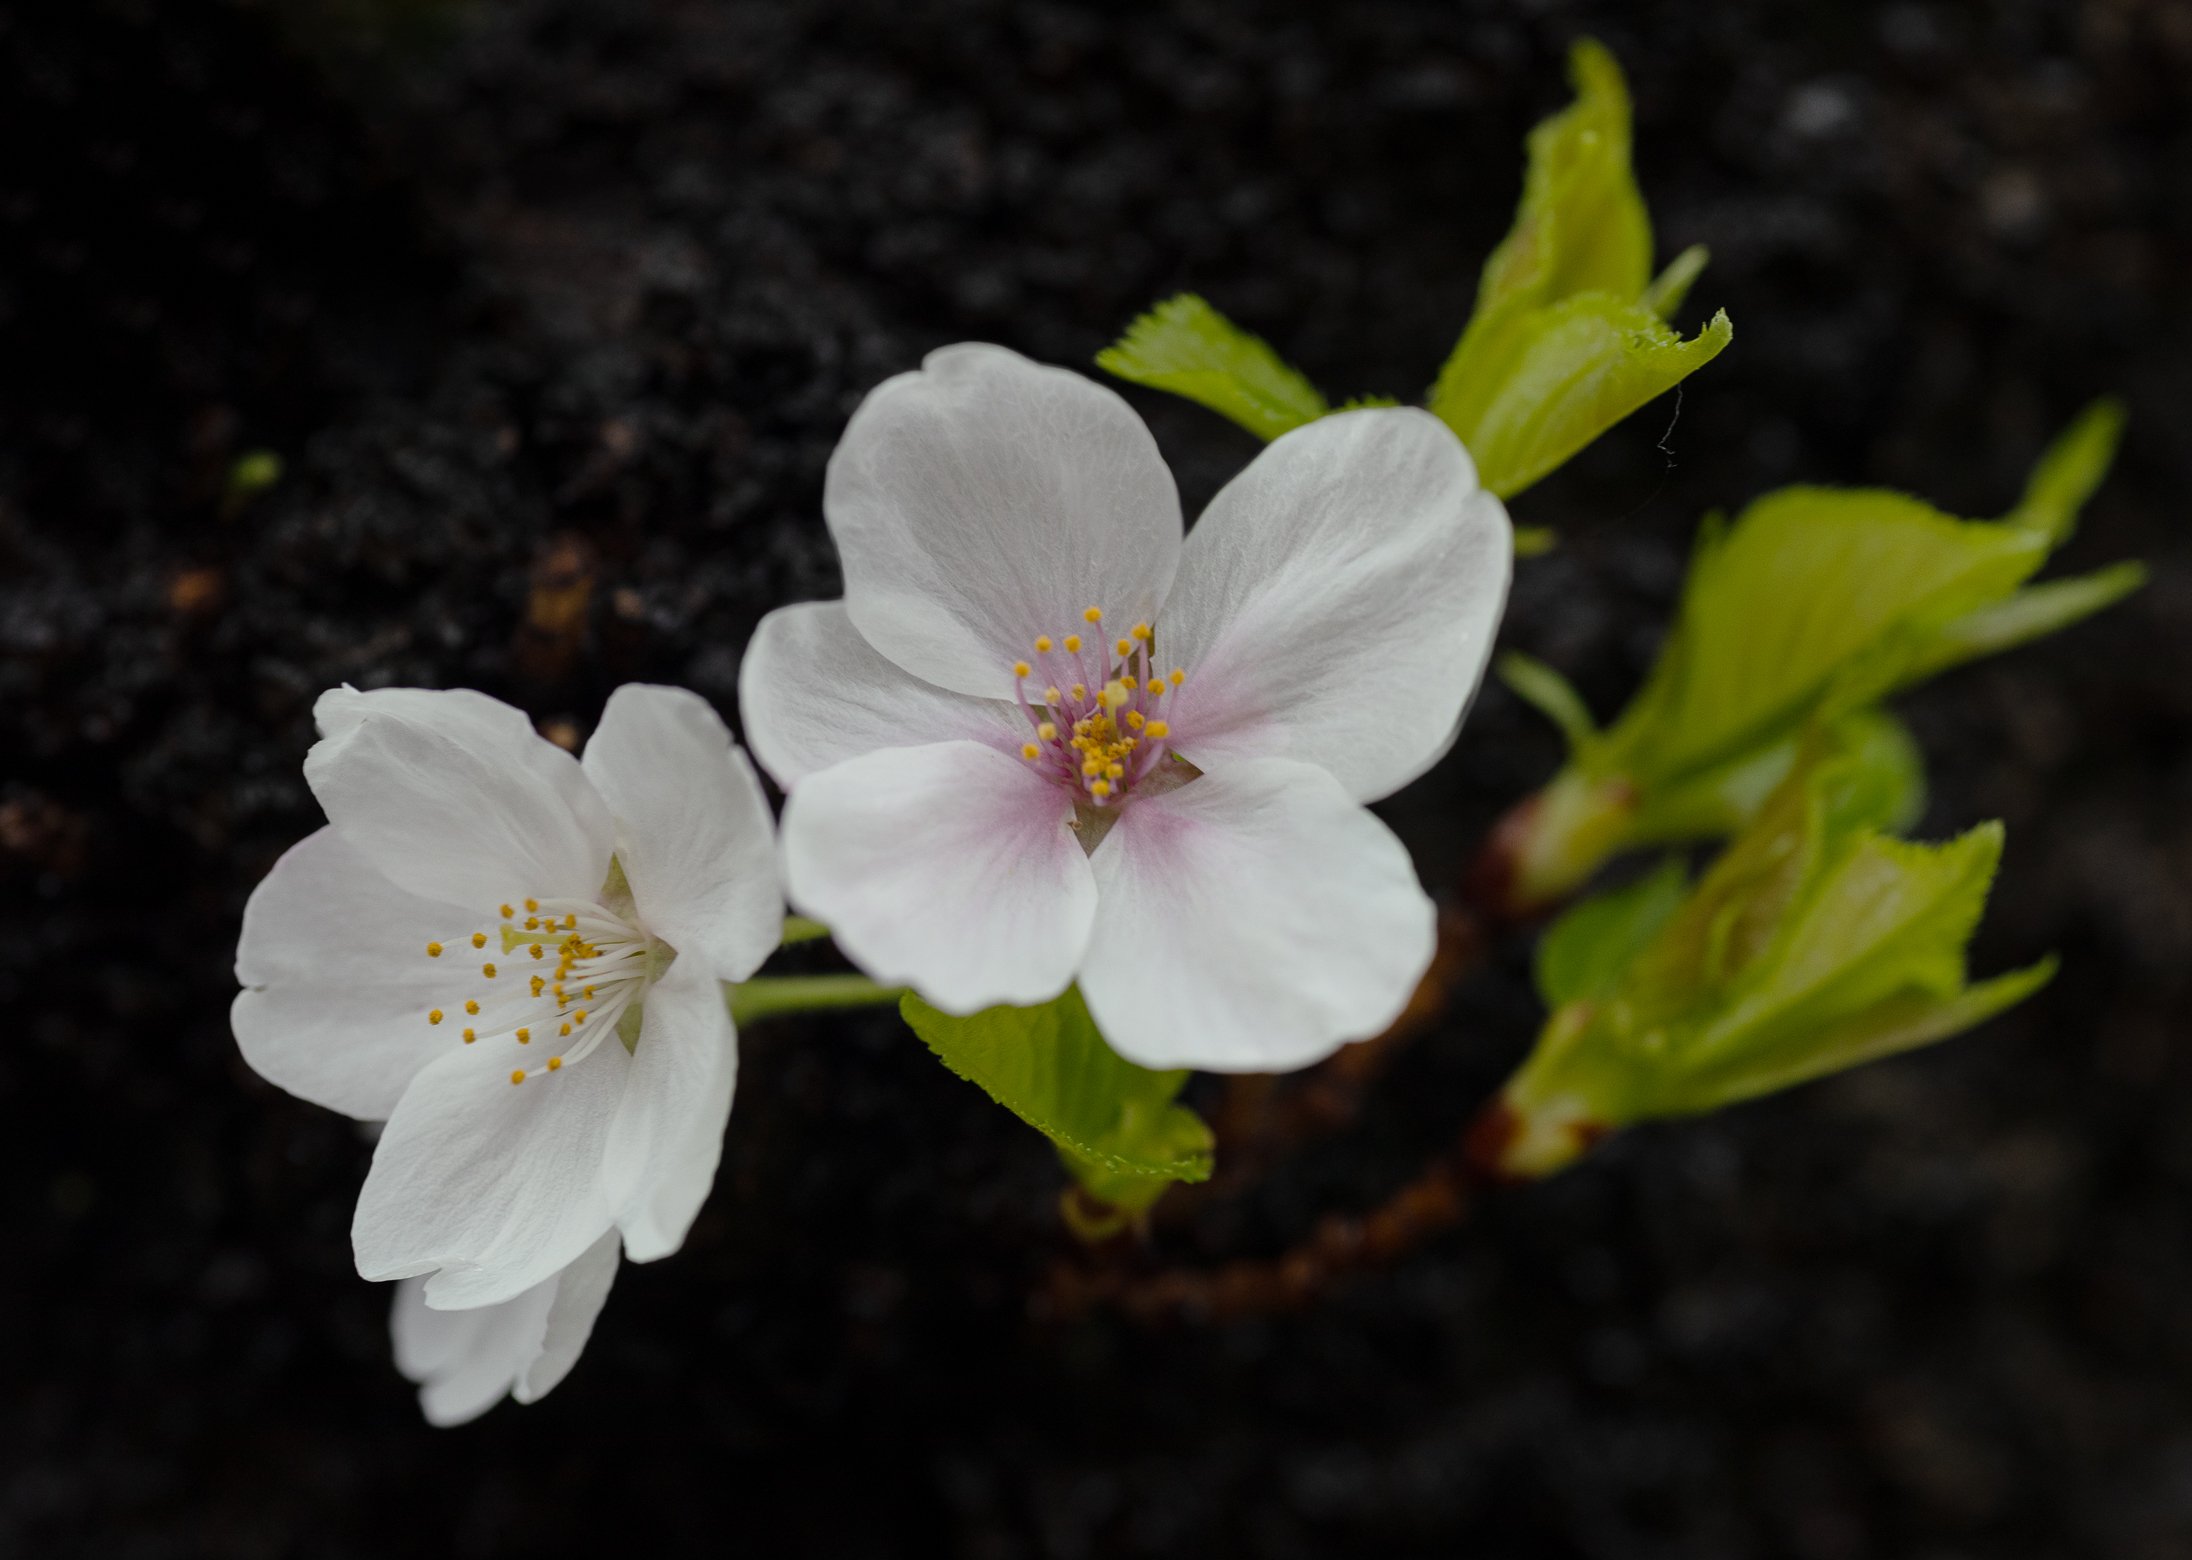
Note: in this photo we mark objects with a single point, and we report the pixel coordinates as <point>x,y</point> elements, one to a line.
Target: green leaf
<point>1581,226</point>
<point>1536,387</point>
<point>2031,613</point>
<point>1050,1067</point>
<point>2070,470</point>
<point>1534,541</point>
<point>1671,286</point>
<point>1185,346</point>
<point>1584,955</point>
<point>1550,694</point>
<point>1812,592</point>
<point>1809,946</point>
<point>1874,775</point>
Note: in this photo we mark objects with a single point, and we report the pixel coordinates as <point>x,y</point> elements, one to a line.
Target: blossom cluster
<point>1048,740</point>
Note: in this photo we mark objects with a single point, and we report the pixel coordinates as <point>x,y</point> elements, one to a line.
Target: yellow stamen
<point>1157,689</point>
<point>1093,615</point>
<point>488,970</point>
<point>566,1029</point>
<point>470,1005</point>
<point>537,984</point>
<point>1141,631</point>
<point>1135,719</point>
<point>1022,669</point>
<point>1100,789</point>
<point>470,1036</point>
<point>525,1037</point>
<point>479,939</point>
<point>433,950</point>
<point>1073,644</point>
<point>532,923</point>
<point>1179,675</point>
<point>1080,691</point>
<point>434,1017</point>
<point>1127,681</point>
<point>1030,751</point>
<point>1050,695</point>
<point>1159,730</point>
<point>554,1062</point>
<point>1126,647</point>
<point>532,904</point>
<point>1047,731</point>
<point>1042,644</point>
<point>536,951</point>
<point>518,1076</point>
<point>579,1017</point>
<point>507,912</point>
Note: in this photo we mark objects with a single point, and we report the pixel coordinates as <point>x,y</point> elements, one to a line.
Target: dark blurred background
<point>550,313</point>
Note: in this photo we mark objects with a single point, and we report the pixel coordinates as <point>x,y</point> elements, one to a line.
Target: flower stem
<point>766,996</point>
<point>799,929</point>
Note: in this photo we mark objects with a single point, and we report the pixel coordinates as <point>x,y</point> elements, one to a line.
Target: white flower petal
<point>813,693</point>
<point>985,500</point>
<point>668,1133</point>
<point>950,868</point>
<point>1337,601</point>
<point>453,796</point>
<point>337,984</point>
<point>497,1185</point>
<point>466,1362</point>
<point>1254,920</point>
<point>694,834</point>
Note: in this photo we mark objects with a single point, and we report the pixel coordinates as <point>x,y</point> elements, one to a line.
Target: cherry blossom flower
<point>466,1362</point>
<point>516,961</point>
<point>1042,740</point>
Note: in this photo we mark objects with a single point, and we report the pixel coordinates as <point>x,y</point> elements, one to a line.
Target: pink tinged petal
<point>985,500</point>
<point>668,1133</point>
<point>1254,920</point>
<point>456,798</point>
<point>1337,602</point>
<point>813,693</point>
<point>466,1362</point>
<point>337,984</point>
<point>694,833</point>
<point>497,1185</point>
<point>949,868</point>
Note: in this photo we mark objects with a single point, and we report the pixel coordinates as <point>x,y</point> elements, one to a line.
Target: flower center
<point>578,970</point>
<point>1094,705</point>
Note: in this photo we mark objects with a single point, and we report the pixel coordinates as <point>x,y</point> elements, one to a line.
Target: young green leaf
<point>1185,346</point>
<point>1050,1067</point>
<point>1808,947</point>
<point>1814,605</point>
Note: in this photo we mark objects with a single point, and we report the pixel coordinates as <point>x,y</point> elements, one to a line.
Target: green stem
<point>799,929</point>
<point>766,996</point>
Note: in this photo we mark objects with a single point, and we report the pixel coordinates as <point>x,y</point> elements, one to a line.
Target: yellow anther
<point>433,950</point>
<point>554,1062</point>
<point>518,1076</point>
<point>586,991</point>
<point>525,1037</point>
<point>1157,688</point>
<point>470,1036</point>
<point>1127,680</point>
<point>566,1029</point>
<point>1142,631</point>
<point>1126,647</point>
<point>479,939</point>
<point>471,1005</point>
<point>532,923</point>
<point>1048,731</point>
<point>1022,669</point>
<point>1179,675</point>
<point>1050,695</point>
<point>1159,730</point>
<point>1115,772</point>
<point>570,922</point>
<point>1093,767</point>
<point>579,1017</point>
<point>1134,718</point>
<point>1042,644</point>
<point>507,912</point>
<point>1073,644</point>
<point>1099,788</point>
<point>1080,691</point>
<point>532,904</point>
<point>1030,751</point>
<point>1093,615</point>
<point>536,951</point>
<point>488,970</point>
<point>434,1017</point>
<point>537,984</point>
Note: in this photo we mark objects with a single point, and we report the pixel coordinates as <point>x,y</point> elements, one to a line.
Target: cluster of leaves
<point>1817,941</point>
<point>1812,607</point>
<point>1570,333</point>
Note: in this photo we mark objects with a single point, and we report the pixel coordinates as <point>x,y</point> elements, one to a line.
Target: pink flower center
<point>1094,706</point>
